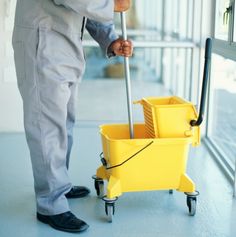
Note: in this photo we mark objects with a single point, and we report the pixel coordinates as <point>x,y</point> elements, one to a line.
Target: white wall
<point>11,118</point>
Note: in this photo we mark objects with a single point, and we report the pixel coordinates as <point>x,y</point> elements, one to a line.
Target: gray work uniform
<point>49,64</point>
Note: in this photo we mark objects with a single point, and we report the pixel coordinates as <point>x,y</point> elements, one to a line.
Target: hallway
<point>140,214</point>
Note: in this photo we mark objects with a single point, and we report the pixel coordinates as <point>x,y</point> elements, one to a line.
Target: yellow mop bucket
<point>169,117</point>
<point>142,164</point>
<point>152,156</point>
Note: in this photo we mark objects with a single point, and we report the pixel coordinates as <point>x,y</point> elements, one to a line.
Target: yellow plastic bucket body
<point>169,117</point>
<point>142,163</point>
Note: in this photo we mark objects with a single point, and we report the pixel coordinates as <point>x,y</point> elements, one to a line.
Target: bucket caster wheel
<point>99,186</point>
<point>192,202</point>
<point>170,191</point>
<point>110,208</point>
<point>110,211</point>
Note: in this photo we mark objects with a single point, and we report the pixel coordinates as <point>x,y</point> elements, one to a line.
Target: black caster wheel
<point>110,208</point>
<point>171,191</point>
<point>99,186</point>
<point>192,204</point>
<point>110,211</point>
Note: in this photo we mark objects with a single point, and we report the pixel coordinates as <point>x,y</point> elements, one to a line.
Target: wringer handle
<point>208,48</point>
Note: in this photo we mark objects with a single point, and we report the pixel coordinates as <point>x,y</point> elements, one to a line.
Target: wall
<point>11,118</point>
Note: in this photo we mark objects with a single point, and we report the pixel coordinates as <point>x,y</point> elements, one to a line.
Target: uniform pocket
<point>59,57</point>
<point>19,57</point>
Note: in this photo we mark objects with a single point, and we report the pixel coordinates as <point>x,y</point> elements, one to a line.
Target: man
<point>49,64</point>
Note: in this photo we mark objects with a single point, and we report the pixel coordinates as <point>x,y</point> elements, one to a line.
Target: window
<point>221,129</point>
<point>222,19</point>
<point>222,126</point>
<point>162,32</point>
<point>146,61</point>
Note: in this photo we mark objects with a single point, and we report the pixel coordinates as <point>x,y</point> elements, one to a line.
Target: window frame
<point>231,39</point>
<point>226,49</point>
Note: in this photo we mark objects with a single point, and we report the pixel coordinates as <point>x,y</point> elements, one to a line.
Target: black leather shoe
<point>78,192</point>
<point>66,221</point>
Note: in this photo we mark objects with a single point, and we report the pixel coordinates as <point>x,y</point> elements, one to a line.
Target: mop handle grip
<point>208,48</point>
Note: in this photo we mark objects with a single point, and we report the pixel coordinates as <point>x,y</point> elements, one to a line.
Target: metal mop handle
<point>127,77</point>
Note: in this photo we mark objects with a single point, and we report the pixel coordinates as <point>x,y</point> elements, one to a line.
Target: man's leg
<point>46,68</point>
<point>45,104</point>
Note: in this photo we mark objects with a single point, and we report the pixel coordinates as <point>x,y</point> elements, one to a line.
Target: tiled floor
<point>141,214</point>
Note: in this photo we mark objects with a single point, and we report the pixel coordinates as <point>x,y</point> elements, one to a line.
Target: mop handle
<point>127,77</point>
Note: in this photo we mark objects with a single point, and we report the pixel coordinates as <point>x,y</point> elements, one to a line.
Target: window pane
<point>222,126</point>
<point>222,21</point>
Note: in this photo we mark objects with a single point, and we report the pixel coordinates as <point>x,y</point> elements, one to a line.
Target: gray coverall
<point>49,64</point>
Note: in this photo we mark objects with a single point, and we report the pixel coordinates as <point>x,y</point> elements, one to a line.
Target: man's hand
<point>122,5</point>
<point>122,47</point>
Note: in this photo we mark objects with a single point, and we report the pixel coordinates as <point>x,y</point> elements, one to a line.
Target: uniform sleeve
<point>103,33</point>
<point>98,10</point>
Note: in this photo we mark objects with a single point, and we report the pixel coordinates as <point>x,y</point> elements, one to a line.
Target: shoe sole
<point>47,221</point>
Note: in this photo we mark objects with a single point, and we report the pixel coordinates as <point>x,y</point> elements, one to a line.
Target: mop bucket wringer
<point>142,164</point>
<point>156,158</point>
<point>148,162</point>
<point>153,155</point>
<point>170,117</point>
<point>152,159</point>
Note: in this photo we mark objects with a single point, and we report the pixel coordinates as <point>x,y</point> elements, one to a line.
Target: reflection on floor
<point>140,214</point>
